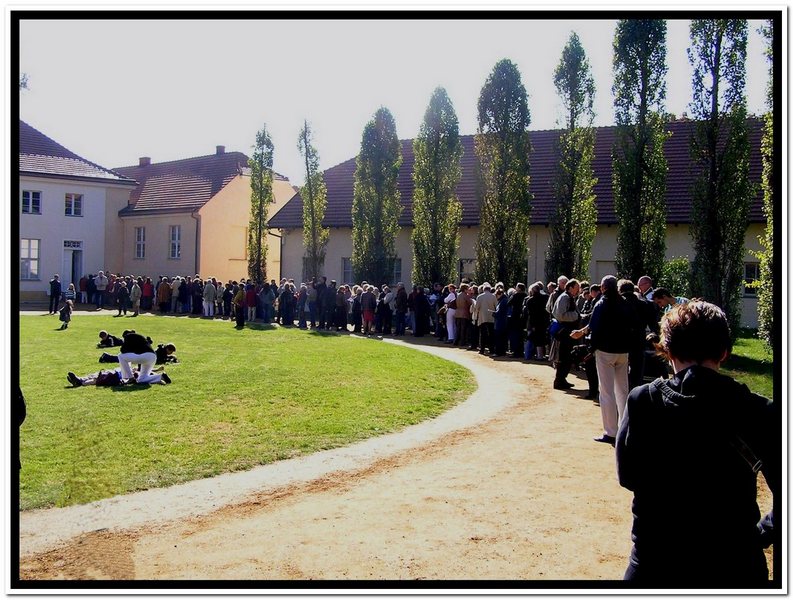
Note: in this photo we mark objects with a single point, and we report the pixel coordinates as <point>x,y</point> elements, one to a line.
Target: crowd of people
<point>692,436</point>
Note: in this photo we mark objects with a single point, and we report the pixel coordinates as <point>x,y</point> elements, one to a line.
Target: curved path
<point>507,485</point>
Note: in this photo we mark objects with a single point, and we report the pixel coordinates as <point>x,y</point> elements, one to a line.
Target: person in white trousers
<point>451,312</point>
<point>136,349</point>
<point>611,327</point>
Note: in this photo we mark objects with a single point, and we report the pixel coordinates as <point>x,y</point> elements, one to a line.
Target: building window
<point>74,205</point>
<point>346,270</point>
<point>176,241</point>
<point>466,269</point>
<point>397,270</point>
<point>31,202</point>
<point>140,242</point>
<point>751,273</point>
<point>29,259</point>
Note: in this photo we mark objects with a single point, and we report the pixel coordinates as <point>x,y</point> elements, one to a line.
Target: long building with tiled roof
<point>339,181</point>
<point>679,183</point>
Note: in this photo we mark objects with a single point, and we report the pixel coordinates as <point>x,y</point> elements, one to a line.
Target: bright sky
<point>113,91</point>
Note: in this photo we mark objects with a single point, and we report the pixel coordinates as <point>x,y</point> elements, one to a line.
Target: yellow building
<point>191,216</point>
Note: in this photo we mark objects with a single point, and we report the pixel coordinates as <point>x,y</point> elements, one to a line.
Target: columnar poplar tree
<point>640,166</point>
<point>720,153</point>
<point>376,201</point>
<point>436,209</point>
<point>314,195</point>
<point>765,291</point>
<point>502,147</point>
<point>261,164</point>
<point>574,223</point>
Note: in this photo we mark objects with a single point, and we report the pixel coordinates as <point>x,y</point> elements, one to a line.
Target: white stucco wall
<point>52,227</point>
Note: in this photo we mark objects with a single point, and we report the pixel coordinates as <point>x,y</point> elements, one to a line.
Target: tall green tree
<point>376,201</point>
<point>261,164</point>
<point>314,195</point>
<point>574,223</point>
<point>639,174</point>
<point>720,154</point>
<point>436,209</point>
<point>502,147</point>
<point>765,290</point>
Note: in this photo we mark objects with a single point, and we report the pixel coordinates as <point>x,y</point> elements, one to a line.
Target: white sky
<point>113,91</point>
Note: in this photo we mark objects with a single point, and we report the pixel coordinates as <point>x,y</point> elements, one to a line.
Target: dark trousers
<point>54,301</point>
<point>565,358</point>
<point>635,366</point>
<point>461,331</point>
<point>239,313</point>
<point>485,337</point>
<point>473,336</point>
<point>500,342</point>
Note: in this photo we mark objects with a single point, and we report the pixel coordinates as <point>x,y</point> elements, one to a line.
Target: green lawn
<point>238,399</point>
<point>752,364</point>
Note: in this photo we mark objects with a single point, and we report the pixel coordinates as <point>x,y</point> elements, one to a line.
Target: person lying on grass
<point>109,378</point>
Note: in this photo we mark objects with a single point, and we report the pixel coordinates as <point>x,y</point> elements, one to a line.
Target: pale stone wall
<point>156,261</point>
<point>603,252</point>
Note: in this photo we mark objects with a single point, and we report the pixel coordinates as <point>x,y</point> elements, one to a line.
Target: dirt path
<point>508,485</point>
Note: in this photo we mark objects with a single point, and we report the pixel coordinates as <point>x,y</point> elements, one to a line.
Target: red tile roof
<point>40,156</point>
<point>182,185</point>
<point>339,181</point>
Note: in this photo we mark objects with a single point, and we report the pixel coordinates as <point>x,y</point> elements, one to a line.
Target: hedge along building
<point>191,216</point>
<point>68,214</point>
<point>679,184</point>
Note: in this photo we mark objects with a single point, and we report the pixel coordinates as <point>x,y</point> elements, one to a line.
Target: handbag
<point>554,328</point>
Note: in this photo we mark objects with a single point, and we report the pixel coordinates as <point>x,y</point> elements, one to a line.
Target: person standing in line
<point>55,293</point>
<point>451,312</point>
<point>122,298</point>
<point>689,449</point>
<point>612,329</point>
<point>100,281</point>
<point>83,289</point>
<point>135,294</point>
<point>485,311</point>
<point>209,298</point>
<point>565,313</point>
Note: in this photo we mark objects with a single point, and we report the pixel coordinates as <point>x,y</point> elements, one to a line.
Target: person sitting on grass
<point>689,449</point>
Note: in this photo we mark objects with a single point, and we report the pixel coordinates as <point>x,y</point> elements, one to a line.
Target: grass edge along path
<point>239,399</point>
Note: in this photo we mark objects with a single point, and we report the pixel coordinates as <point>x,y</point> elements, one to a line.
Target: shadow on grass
<point>137,387</point>
<point>258,326</point>
<point>752,366</point>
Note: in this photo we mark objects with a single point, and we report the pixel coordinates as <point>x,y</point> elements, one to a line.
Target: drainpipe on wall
<point>197,218</point>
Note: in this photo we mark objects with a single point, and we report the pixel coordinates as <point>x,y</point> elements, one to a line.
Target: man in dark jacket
<point>55,293</point>
<point>612,328</point>
<point>689,448</point>
<point>137,349</point>
<point>645,313</point>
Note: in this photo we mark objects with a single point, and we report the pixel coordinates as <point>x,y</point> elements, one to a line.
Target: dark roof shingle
<point>183,185</point>
<point>39,155</point>
<point>339,180</point>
